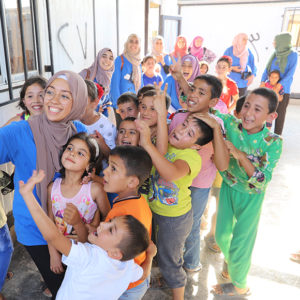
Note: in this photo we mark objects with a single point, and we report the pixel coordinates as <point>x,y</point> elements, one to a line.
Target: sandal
<point>229,290</point>
<point>224,274</point>
<point>9,275</point>
<point>157,283</point>
<point>295,257</point>
<point>211,244</point>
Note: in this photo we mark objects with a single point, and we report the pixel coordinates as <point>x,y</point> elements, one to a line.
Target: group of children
<point>119,187</point>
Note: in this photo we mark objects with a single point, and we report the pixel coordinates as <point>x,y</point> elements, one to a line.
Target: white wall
<point>218,24</point>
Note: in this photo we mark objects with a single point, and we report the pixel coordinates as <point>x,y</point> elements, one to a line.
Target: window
<point>291,23</point>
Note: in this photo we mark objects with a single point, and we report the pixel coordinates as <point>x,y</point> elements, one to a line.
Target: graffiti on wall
<point>252,39</point>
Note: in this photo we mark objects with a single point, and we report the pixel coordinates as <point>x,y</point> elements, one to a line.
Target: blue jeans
<point>192,244</point>
<point>137,292</point>
<point>6,250</point>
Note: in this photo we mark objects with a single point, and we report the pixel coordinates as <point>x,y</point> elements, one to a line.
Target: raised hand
<point>159,101</point>
<point>28,187</point>
<point>207,118</point>
<point>145,133</point>
<point>175,68</point>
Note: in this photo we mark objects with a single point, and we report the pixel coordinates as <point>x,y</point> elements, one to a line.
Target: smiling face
<point>147,111</point>
<point>149,65</point>
<point>203,69</point>
<point>187,69</point>
<point>255,112</point>
<point>58,100</point>
<point>128,109</point>
<point>34,99</point>
<point>133,45</point>
<point>274,78</point>
<point>106,60</point>
<point>128,134</point>
<point>222,69</point>
<point>185,135</point>
<point>109,234</point>
<point>198,42</point>
<point>199,98</point>
<point>76,156</point>
<point>181,43</point>
<point>159,46</point>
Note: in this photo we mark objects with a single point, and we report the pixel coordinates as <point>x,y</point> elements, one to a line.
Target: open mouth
<point>125,142</point>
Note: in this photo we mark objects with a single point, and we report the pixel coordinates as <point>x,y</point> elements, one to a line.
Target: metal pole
<point>37,36</point>
<point>49,35</point>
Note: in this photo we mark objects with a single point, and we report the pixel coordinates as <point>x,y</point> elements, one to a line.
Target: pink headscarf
<point>196,51</point>
<point>50,137</point>
<point>240,49</point>
<point>95,71</point>
<point>181,51</point>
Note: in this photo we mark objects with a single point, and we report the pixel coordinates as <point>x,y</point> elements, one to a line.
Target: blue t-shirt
<point>171,91</point>
<point>150,80</point>
<point>17,145</point>
<point>168,62</point>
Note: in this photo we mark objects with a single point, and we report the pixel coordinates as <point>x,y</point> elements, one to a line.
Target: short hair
<point>136,241</point>
<point>239,104</point>
<point>144,89</point>
<point>92,90</point>
<point>275,72</point>
<point>204,63</point>
<point>128,97</point>
<point>30,81</point>
<point>152,93</point>
<point>130,119</point>
<point>226,59</point>
<point>136,160</point>
<point>270,95</point>
<point>147,57</point>
<point>214,82</point>
<point>207,134</point>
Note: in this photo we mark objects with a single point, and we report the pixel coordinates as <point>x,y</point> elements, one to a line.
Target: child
<point>255,152</point>
<point>72,204</point>
<point>203,67</point>
<point>143,90</point>
<point>104,267</point>
<point>230,92</point>
<point>96,123</point>
<point>169,197</point>
<point>150,76</point>
<point>31,98</point>
<point>128,168</point>
<point>128,133</point>
<point>238,107</point>
<point>128,105</point>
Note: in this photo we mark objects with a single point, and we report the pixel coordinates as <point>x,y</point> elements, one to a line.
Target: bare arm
<point>100,197</point>
<point>147,264</point>
<point>44,223</point>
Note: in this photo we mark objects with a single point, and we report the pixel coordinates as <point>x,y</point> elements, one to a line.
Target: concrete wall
<point>218,24</point>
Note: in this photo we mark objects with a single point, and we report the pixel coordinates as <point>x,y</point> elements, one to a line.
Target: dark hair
<point>207,134</point>
<point>136,160</point>
<point>92,90</point>
<point>239,104</point>
<point>30,81</point>
<point>226,59</point>
<point>144,89</point>
<point>275,72</point>
<point>128,97</point>
<point>131,119</point>
<point>152,93</point>
<point>204,63</point>
<point>270,95</point>
<point>147,57</point>
<point>136,241</point>
<point>215,84</point>
<point>94,162</point>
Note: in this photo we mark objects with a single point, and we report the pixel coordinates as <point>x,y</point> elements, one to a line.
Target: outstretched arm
<point>44,223</point>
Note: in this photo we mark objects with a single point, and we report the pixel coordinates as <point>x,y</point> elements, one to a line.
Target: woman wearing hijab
<point>190,69</point>
<point>180,48</point>
<point>284,59</point>
<point>162,58</point>
<point>243,68</point>
<point>127,76</point>
<point>202,53</point>
<point>36,145</point>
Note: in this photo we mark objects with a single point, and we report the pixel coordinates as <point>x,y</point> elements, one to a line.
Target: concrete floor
<point>272,275</point>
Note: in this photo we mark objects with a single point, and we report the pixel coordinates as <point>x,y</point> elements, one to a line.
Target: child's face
<point>274,78</point>
<point>34,99</point>
<point>128,134</point>
<point>203,69</point>
<point>187,69</point>
<point>109,234</point>
<point>149,65</point>
<point>254,113</point>
<point>147,111</point>
<point>106,61</point>
<point>185,135</point>
<point>199,98</point>
<point>115,178</point>
<point>58,100</point>
<point>76,157</point>
<point>128,109</point>
<point>222,68</point>
<point>134,45</point>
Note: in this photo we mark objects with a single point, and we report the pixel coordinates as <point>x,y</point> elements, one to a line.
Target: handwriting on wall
<point>252,39</point>
<point>83,48</point>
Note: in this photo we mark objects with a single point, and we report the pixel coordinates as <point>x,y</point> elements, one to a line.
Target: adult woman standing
<point>162,58</point>
<point>243,68</point>
<point>202,53</point>
<point>285,60</point>
<point>127,76</point>
<point>36,144</point>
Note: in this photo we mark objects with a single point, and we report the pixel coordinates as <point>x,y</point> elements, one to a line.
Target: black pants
<point>281,111</point>
<point>41,257</point>
<point>243,91</point>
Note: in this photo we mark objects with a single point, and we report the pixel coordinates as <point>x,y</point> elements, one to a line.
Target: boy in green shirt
<point>254,152</point>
